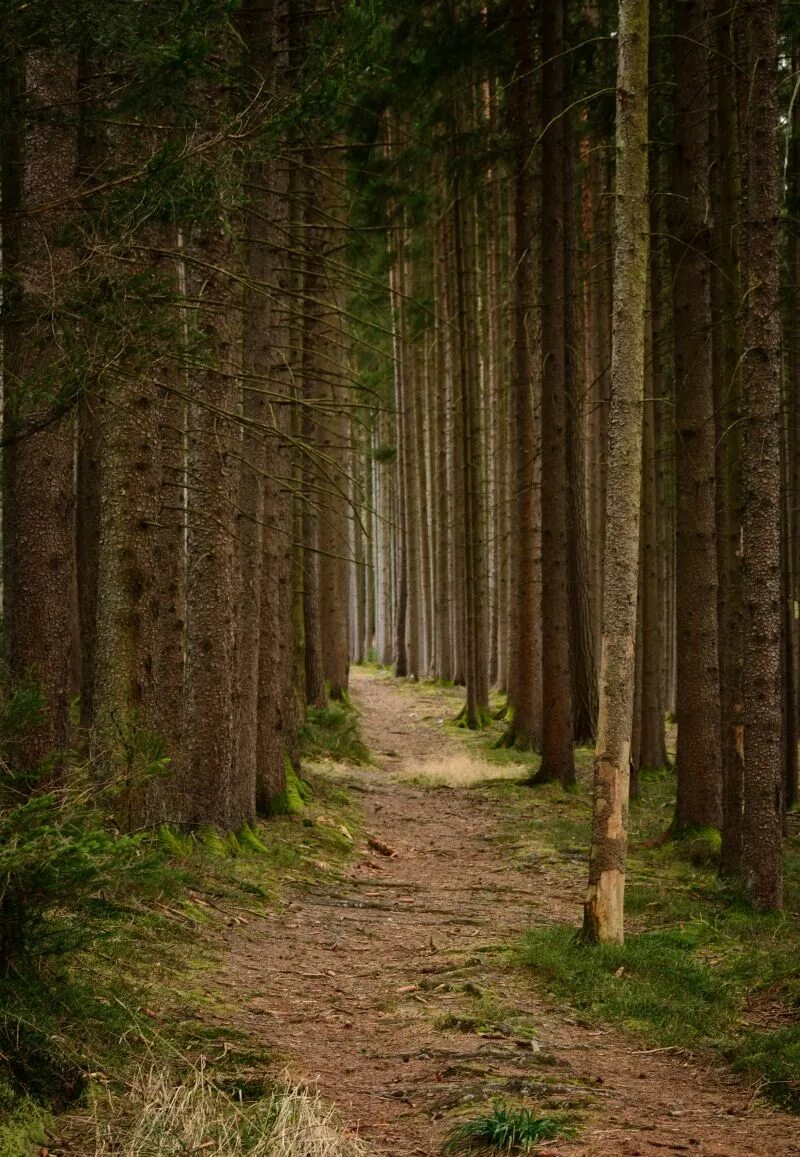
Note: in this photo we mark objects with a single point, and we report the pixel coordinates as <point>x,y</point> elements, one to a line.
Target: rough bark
<point>332,427</point>
<point>39,165</point>
<point>652,751</point>
<point>557,726</point>
<point>699,796</point>
<point>726,296</point>
<point>472,531</point>
<point>582,653</point>
<point>214,795</point>
<point>755,31</point>
<point>171,563</point>
<point>525,684</point>
<point>444,502</point>
<point>256,25</point>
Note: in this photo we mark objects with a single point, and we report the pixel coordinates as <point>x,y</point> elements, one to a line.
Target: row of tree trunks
<point>180,458</point>
<point>39,166</point>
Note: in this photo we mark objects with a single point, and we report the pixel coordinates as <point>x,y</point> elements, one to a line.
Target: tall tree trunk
<point>211,663</point>
<point>39,165</point>
<point>125,694</point>
<point>171,561</point>
<point>582,657</point>
<point>652,751</point>
<point>466,364</point>
<point>408,451</point>
<point>604,908</point>
<point>257,28</point>
<point>557,731</point>
<point>332,425</point>
<point>699,799</point>
<point>755,31</point>
<point>87,487</point>
<point>726,297</point>
<point>525,684</point>
<point>792,403</point>
<point>87,474</point>
<point>444,499</point>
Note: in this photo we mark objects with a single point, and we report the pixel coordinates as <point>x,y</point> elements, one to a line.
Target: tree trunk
<point>699,798</point>
<point>755,31</point>
<point>557,732</point>
<point>726,298</point>
<point>39,165</point>
<point>211,662</point>
<point>444,499</point>
<point>466,365</point>
<point>604,908</point>
<point>525,686</point>
<point>582,657</point>
<point>125,695</point>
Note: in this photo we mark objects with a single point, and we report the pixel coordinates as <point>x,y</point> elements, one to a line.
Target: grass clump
<point>461,770</point>
<point>504,1130</point>
<point>163,1116</point>
<point>332,733</point>
<point>23,1123</point>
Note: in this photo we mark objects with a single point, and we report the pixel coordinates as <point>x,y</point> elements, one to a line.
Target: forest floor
<point>392,990</point>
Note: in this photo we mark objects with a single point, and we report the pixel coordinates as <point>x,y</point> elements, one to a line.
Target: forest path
<point>389,991</point>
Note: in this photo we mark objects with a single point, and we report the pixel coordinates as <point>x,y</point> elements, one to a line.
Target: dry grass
<point>159,1117</point>
<point>460,770</point>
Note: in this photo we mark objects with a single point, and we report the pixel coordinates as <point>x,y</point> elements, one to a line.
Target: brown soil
<point>388,990</point>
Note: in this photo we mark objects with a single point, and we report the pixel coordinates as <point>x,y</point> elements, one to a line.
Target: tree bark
<point>39,166</point>
<point>211,663</point>
<point>726,298</point>
<point>557,730</point>
<point>699,797</point>
<point>525,687</point>
<point>604,907</point>
<point>755,31</point>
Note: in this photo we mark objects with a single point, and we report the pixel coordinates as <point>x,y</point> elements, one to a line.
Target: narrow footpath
<point>390,991</point>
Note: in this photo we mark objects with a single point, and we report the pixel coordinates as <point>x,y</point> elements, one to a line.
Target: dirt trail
<point>328,982</point>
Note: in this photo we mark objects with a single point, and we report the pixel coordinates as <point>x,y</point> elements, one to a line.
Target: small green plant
<point>505,1130</point>
<point>22,1123</point>
<point>332,733</point>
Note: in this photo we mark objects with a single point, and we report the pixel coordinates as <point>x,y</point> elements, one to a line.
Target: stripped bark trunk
<point>604,907</point>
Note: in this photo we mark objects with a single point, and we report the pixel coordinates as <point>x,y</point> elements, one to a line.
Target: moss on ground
<point>698,966</point>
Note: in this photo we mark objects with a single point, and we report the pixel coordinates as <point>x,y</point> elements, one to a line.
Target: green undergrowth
<point>699,969</point>
<point>505,1129</point>
<point>23,1122</point>
<point>116,940</point>
<point>294,797</point>
<point>332,733</point>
